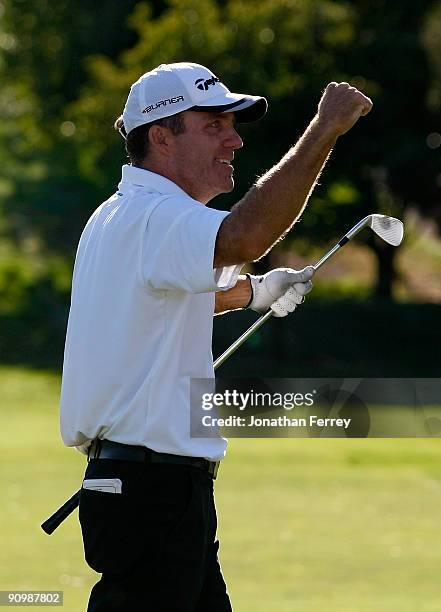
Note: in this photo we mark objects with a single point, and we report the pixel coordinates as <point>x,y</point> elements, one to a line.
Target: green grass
<point>305,525</point>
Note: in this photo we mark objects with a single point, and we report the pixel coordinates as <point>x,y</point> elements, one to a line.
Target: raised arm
<point>270,208</point>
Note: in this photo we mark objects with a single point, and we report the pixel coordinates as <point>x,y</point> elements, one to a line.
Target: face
<point>202,155</point>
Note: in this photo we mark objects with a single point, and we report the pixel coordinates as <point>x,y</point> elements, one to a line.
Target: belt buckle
<point>213,468</point>
<point>94,449</point>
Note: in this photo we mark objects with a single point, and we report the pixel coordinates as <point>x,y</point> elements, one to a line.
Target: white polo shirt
<point>141,317</point>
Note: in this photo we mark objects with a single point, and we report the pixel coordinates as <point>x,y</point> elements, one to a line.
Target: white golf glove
<point>281,289</point>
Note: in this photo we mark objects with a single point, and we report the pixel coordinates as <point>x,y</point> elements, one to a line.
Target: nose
<point>233,139</point>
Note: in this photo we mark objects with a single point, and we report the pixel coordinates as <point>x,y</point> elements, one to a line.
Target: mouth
<point>224,162</point>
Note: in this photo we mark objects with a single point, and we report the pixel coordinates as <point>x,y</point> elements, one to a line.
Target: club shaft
<point>250,331</point>
<point>261,320</point>
<point>329,254</point>
<point>254,327</point>
<point>69,506</point>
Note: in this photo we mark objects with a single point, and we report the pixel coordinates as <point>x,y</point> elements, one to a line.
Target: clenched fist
<point>341,106</point>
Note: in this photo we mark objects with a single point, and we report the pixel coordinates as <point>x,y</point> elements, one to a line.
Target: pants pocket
<point>108,534</point>
<point>112,524</point>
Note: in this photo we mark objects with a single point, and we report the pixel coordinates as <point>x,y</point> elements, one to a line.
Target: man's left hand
<point>268,288</point>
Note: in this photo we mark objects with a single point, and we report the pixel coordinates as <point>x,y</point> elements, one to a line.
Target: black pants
<point>154,543</point>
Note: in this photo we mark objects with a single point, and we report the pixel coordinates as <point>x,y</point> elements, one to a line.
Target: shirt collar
<point>151,180</point>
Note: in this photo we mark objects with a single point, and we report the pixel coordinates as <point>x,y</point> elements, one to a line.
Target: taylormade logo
<point>163,103</point>
<point>204,84</point>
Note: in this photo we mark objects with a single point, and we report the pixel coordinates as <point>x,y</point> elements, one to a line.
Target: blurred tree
<point>392,159</point>
<point>42,49</point>
<point>288,46</point>
<point>431,41</point>
<point>288,50</point>
<point>66,69</point>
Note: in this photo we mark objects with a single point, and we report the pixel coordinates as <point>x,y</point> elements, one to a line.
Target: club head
<point>391,230</point>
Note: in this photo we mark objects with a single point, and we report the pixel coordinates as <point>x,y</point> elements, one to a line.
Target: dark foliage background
<point>65,70</point>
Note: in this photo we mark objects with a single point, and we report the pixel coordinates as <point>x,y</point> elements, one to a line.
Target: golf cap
<point>172,88</point>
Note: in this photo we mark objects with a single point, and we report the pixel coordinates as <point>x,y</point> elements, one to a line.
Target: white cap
<point>172,88</point>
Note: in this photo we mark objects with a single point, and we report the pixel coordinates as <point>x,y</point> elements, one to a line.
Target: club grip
<point>62,513</point>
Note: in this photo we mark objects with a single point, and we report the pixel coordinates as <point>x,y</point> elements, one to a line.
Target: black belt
<point>107,449</point>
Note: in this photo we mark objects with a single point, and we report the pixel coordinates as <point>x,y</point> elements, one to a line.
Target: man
<point>153,265</point>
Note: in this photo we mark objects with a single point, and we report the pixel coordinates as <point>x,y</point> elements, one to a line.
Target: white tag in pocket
<point>106,485</point>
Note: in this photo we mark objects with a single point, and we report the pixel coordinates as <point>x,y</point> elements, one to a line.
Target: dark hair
<point>137,140</point>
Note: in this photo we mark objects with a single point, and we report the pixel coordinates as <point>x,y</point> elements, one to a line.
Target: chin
<point>228,186</point>
<point>225,188</point>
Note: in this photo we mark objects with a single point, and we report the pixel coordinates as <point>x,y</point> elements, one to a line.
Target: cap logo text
<point>204,84</point>
<point>163,103</point>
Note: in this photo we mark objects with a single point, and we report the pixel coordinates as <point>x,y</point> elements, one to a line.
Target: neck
<point>171,174</point>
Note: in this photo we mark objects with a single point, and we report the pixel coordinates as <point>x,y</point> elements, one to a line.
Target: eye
<point>215,123</point>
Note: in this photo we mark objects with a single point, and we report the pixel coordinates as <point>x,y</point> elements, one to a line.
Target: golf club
<point>391,230</point>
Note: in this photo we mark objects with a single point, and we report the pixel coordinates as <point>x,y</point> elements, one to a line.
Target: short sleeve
<point>178,248</point>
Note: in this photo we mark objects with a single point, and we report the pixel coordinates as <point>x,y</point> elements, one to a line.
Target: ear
<point>160,138</point>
